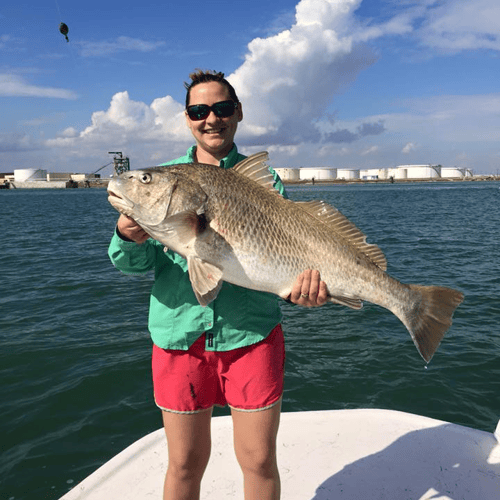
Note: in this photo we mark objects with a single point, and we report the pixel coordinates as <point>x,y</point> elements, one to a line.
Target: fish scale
<point>231,225</point>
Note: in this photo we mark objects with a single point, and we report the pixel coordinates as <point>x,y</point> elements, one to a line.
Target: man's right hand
<point>130,229</point>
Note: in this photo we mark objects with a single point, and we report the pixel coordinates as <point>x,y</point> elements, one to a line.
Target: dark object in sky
<point>63,29</point>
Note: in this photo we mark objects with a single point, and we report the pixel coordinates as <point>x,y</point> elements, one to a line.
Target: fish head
<point>150,196</point>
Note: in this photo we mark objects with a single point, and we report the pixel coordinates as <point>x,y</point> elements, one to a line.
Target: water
<point>74,359</point>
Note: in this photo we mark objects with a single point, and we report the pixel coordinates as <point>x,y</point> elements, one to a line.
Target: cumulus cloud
<point>131,124</point>
<point>125,118</point>
<point>15,86</point>
<point>287,80</point>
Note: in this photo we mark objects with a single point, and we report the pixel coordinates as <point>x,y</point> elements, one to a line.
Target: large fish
<point>231,225</point>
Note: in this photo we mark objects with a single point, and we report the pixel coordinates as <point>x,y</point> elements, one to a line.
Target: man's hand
<point>130,229</point>
<point>309,290</point>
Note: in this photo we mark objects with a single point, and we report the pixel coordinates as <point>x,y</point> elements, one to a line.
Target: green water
<point>75,353</point>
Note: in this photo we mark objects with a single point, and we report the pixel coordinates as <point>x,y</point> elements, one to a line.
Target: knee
<point>259,461</point>
<point>189,465</point>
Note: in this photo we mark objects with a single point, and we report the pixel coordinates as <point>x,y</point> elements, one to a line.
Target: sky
<point>323,83</point>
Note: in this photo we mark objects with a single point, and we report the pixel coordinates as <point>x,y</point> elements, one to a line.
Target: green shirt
<point>238,317</point>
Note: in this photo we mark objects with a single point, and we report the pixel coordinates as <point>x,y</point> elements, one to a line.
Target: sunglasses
<point>221,109</point>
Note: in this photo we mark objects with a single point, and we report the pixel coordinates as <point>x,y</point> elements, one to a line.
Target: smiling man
<point>213,117</point>
<point>230,352</point>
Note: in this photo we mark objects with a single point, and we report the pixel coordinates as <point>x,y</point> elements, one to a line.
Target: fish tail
<point>431,316</point>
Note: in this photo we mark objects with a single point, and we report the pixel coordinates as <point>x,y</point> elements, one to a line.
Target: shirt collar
<point>228,162</point>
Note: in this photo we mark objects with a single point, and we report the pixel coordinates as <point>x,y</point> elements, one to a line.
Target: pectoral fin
<point>206,279</point>
<point>346,301</point>
<point>186,225</point>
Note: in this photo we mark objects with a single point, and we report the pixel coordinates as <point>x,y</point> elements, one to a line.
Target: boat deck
<point>340,454</point>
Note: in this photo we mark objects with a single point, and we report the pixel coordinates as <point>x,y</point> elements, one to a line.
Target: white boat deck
<point>341,454</point>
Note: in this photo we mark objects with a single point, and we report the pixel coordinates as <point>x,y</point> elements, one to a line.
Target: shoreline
<point>103,183</point>
<point>94,183</point>
<point>477,178</point>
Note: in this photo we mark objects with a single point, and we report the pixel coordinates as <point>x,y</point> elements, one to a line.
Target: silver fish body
<point>231,225</point>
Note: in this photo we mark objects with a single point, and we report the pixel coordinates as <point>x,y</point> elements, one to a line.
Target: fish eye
<point>145,178</point>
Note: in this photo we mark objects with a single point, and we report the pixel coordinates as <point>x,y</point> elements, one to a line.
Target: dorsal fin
<point>342,225</point>
<point>255,168</point>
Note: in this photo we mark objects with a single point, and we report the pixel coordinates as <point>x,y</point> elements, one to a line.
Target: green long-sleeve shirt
<point>238,317</point>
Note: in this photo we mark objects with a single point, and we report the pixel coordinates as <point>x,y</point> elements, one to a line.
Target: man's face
<point>213,134</point>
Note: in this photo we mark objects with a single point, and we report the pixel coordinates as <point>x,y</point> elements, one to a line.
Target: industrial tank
<point>288,174</point>
<point>30,174</point>
<point>318,173</point>
<point>418,171</point>
<point>454,173</point>
<point>347,174</point>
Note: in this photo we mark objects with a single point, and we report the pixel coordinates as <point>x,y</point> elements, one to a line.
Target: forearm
<point>130,257</point>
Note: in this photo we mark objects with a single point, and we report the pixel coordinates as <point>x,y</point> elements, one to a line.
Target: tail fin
<point>431,317</point>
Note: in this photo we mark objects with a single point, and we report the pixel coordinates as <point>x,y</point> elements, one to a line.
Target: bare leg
<point>255,445</point>
<point>189,443</point>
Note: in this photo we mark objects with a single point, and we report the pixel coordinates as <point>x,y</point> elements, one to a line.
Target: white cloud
<point>17,142</point>
<point>454,118</point>
<point>15,86</point>
<point>132,125</point>
<point>287,80</point>
<point>370,151</point>
<point>120,44</point>
<point>409,147</point>
<point>9,43</point>
<point>285,83</point>
<point>41,121</point>
<point>332,150</point>
<point>4,39</point>
<point>460,25</point>
<point>70,132</point>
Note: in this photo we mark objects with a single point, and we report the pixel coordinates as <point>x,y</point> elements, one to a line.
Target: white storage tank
<point>373,173</point>
<point>30,174</point>
<point>288,174</point>
<point>453,173</point>
<point>419,171</point>
<point>347,174</point>
<point>318,173</point>
<point>401,173</point>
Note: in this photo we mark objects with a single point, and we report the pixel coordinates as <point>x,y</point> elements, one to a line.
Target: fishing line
<point>58,10</point>
<point>73,56</point>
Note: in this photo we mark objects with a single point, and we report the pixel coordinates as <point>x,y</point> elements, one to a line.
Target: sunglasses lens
<point>224,109</point>
<point>198,111</point>
<point>221,109</point>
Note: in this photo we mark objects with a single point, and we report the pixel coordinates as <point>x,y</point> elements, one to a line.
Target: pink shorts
<point>247,379</point>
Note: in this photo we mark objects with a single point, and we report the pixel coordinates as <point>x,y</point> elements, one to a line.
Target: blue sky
<point>341,83</point>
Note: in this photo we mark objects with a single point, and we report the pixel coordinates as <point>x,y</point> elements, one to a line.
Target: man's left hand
<point>309,290</point>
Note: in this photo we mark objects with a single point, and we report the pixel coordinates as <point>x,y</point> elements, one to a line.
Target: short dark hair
<point>204,76</point>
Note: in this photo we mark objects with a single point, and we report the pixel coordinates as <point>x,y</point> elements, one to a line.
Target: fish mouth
<point>120,203</point>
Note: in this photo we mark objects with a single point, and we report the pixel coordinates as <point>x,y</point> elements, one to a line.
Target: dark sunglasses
<point>221,109</point>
